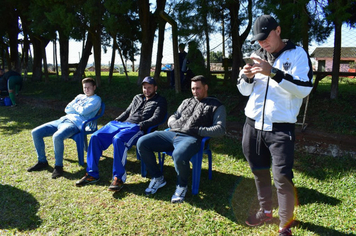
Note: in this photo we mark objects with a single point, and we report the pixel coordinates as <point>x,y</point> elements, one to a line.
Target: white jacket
<point>278,100</point>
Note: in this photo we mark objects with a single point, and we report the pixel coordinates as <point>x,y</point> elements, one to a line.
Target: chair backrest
<point>152,128</point>
<point>91,125</point>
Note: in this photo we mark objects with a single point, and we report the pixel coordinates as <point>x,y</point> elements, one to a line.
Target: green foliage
<point>216,57</point>
<point>299,19</point>
<point>334,116</point>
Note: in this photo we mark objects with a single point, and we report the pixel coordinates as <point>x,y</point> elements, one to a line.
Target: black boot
<point>57,172</point>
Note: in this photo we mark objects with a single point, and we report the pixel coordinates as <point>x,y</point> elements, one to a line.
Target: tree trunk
<point>24,60</point>
<point>207,41</point>
<point>237,39</point>
<point>44,57</point>
<point>55,57</point>
<point>161,28</point>
<point>13,41</point>
<point>336,61</point>
<point>84,60</point>
<point>97,56</point>
<point>235,36</point>
<point>37,59</point>
<point>112,65</point>
<point>123,62</point>
<point>64,50</point>
<point>305,29</point>
<point>148,27</point>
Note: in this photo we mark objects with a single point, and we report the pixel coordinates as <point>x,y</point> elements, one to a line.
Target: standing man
<point>277,82</point>
<point>194,63</point>
<point>146,110</point>
<point>182,54</point>
<point>194,119</point>
<point>83,107</point>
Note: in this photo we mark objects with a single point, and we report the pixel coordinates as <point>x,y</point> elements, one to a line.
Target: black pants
<point>276,149</point>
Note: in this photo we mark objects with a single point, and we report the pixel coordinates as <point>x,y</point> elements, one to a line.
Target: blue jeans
<point>60,129</point>
<point>182,146</point>
<point>122,135</point>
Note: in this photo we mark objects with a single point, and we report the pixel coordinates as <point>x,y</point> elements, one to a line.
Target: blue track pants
<point>122,135</point>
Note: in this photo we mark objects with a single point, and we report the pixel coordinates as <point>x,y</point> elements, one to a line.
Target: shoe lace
<point>154,182</point>
<point>116,181</point>
<point>88,177</point>
<point>260,214</point>
<point>286,231</point>
<point>180,191</point>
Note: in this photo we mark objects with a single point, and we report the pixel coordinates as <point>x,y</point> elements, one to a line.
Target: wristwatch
<point>273,72</point>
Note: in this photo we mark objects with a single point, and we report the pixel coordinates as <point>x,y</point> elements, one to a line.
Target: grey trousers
<point>266,149</point>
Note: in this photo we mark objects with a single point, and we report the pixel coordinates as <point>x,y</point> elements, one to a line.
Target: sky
<point>75,48</point>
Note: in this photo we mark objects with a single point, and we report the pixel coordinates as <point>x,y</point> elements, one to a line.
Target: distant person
<point>182,54</point>
<point>195,118</point>
<point>276,84</point>
<point>146,110</point>
<point>11,83</point>
<point>194,63</point>
<point>83,107</point>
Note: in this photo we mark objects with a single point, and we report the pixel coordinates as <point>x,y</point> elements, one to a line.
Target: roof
<point>327,52</point>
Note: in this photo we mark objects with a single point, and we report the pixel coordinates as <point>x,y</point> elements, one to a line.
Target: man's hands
<point>260,66</point>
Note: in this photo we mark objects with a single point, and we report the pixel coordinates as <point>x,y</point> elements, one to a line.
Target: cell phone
<point>249,61</point>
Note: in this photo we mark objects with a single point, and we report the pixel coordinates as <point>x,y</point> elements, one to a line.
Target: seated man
<point>83,107</point>
<point>146,110</point>
<point>10,82</point>
<point>195,118</point>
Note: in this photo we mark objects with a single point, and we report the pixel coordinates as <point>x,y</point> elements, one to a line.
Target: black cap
<point>262,27</point>
<point>149,80</point>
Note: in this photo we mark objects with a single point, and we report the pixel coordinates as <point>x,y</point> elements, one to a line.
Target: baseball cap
<point>262,27</point>
<point>149,80</point>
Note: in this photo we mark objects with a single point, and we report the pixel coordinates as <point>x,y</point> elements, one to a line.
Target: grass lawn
<point>31,203</point>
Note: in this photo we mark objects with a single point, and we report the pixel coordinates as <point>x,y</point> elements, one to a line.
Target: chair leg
<point>161,160</point>
<point>210,160</point>
<point>143,166</point>
<point>80,149</point>
<point>197,162</point>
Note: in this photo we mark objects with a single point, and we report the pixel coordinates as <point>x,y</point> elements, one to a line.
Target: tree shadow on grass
<point>105,170</point>
<point>214,194</point>
<point>18,209</point>
<point>320,230</point>
<point>324,167</point>
<point>308,196</point>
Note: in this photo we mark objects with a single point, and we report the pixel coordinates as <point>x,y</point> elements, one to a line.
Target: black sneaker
<point>116,185</point>
<point>285,232</point>
<point>87,179</point>
<point>259,218</point>
<point>39,166</point>
<point>57,172</point>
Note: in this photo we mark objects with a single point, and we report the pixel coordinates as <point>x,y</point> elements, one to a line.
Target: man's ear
<point>278,30</point>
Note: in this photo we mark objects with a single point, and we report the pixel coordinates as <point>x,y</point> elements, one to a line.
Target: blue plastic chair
<point>88,127</point>
<point>196,161</point>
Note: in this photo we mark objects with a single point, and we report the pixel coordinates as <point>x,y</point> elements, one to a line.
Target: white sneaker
<point>155,184</point>
<point>179,194</point>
